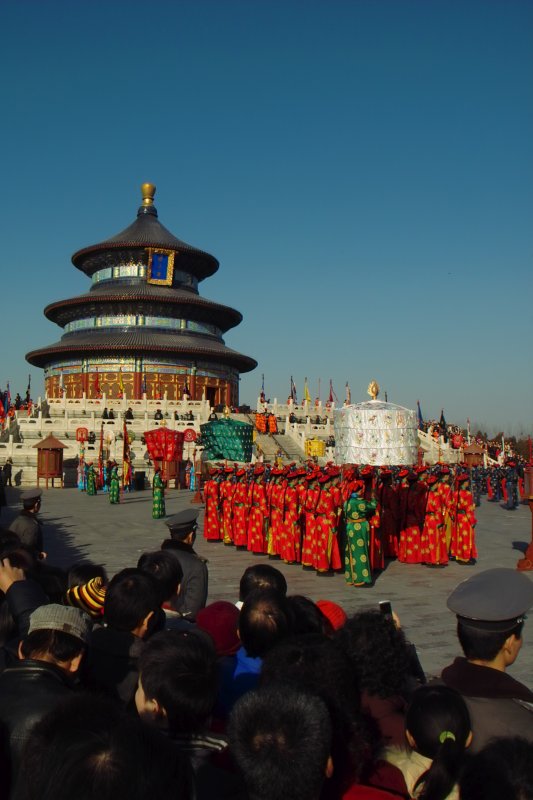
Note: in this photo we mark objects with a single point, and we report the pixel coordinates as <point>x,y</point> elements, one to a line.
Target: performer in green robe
<point>114,485</point>
<point>356,561</point>
<point>158,492</point>
<point>91,480</point>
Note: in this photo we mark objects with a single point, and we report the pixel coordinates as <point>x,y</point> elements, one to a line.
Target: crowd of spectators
<point>108,691</point>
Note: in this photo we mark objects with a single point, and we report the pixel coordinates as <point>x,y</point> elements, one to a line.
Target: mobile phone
<point>386,608</point>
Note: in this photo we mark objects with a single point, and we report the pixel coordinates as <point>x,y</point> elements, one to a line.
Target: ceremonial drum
<point>376,433</point>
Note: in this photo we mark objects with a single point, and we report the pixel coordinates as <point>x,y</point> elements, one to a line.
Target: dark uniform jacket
<point>28,691</point>
<point>29,530</point>
<point>498,704</point>
<point>193,588</point>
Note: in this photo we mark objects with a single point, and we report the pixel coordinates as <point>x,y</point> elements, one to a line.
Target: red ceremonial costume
<point>277,503</point>
<point>290,539</point>
<point>212,527</point>
<point>227,490</point>
<point>433,539</point>
<point>257,514</point>
<point>311,498</point>
<point>464,541</point>
<point>327,555</point>
<point>240,510</point>
<point>409,549</point>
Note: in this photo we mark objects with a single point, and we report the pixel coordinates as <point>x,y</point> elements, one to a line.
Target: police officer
<point>27,525</point>
<point>193,588</point>
<point>491,608</point>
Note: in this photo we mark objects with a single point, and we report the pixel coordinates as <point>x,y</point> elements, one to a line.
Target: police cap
<point>493,600</point>
<point>30,496</point>
<point>182,523</point>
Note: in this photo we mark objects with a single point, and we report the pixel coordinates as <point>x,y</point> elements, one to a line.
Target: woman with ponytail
<point>438,731</point>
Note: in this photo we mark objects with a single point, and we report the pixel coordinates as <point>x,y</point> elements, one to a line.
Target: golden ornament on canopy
<point>373,389</point>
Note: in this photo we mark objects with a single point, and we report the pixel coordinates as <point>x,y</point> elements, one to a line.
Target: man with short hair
<point>50,656</point>
<point>490,609</point>
<point>193,588</point>
<point>260,576</point>
<point>27,525</point>
<point>132,613</point>
<point>280,738</point>
<point>176,692</point>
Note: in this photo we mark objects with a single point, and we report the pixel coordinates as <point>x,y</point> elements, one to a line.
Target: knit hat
<point>336,615</point>
<point>54,617</point>
<point>220,620</point>
<point>89,597</point>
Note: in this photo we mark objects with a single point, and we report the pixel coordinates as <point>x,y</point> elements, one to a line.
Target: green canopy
<point>227,438</point>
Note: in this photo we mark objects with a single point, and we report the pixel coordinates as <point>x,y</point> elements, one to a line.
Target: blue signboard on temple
<point>160,267</point>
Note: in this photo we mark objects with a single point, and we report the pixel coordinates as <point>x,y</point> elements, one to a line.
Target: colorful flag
<point>443,426</point>
<point>348,394</point>
<point>7,399</point>
<point>28,391</point>
<point>420,417</point>
<point>307,396</point>
<point>293,391</point>
<point>332,396</point>
<point>120,384</point>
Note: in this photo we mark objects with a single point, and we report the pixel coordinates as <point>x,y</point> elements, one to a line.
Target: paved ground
<point>81,527</point>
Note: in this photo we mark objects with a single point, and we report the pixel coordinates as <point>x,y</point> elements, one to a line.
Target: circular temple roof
<point>147,231</point>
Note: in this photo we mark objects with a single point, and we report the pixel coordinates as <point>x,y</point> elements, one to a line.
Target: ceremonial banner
<point>376,433</point>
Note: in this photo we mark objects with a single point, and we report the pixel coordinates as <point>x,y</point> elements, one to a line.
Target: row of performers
<point>351,518</point>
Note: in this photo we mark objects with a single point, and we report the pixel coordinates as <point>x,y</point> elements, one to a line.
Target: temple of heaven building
<point>143,327</point>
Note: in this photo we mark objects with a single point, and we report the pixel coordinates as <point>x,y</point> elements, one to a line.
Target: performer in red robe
<point>388,503</point>
<point>328,509</point>
<point>227,490</point>
<point>409,548</point>
<point>433,538</point>
<point>212,523</point>
<point>291,531</point>
<point>464,550</point>
<point>276,498</point>
<point>446,492</point>
<point>239,509</point>
<point>311,498</point>
<point>257,512</point>
<point>375,548</point>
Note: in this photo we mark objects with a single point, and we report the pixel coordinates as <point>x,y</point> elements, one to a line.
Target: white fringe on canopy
<point>376,433</point>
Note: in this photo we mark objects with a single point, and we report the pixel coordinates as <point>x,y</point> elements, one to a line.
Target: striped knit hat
<point>89,597</point>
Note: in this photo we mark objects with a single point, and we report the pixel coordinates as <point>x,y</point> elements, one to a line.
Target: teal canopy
<point>227,439</point>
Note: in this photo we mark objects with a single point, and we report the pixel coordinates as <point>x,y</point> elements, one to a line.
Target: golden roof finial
<point>148,192</point>
<point>373,389</point>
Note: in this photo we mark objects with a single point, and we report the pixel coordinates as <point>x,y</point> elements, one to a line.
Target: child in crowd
<point>438,732</point>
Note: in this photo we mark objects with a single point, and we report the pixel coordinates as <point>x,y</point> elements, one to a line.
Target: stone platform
<point>80,527</point>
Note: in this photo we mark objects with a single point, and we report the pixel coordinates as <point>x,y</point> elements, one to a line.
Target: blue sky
<point>361,170</point>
